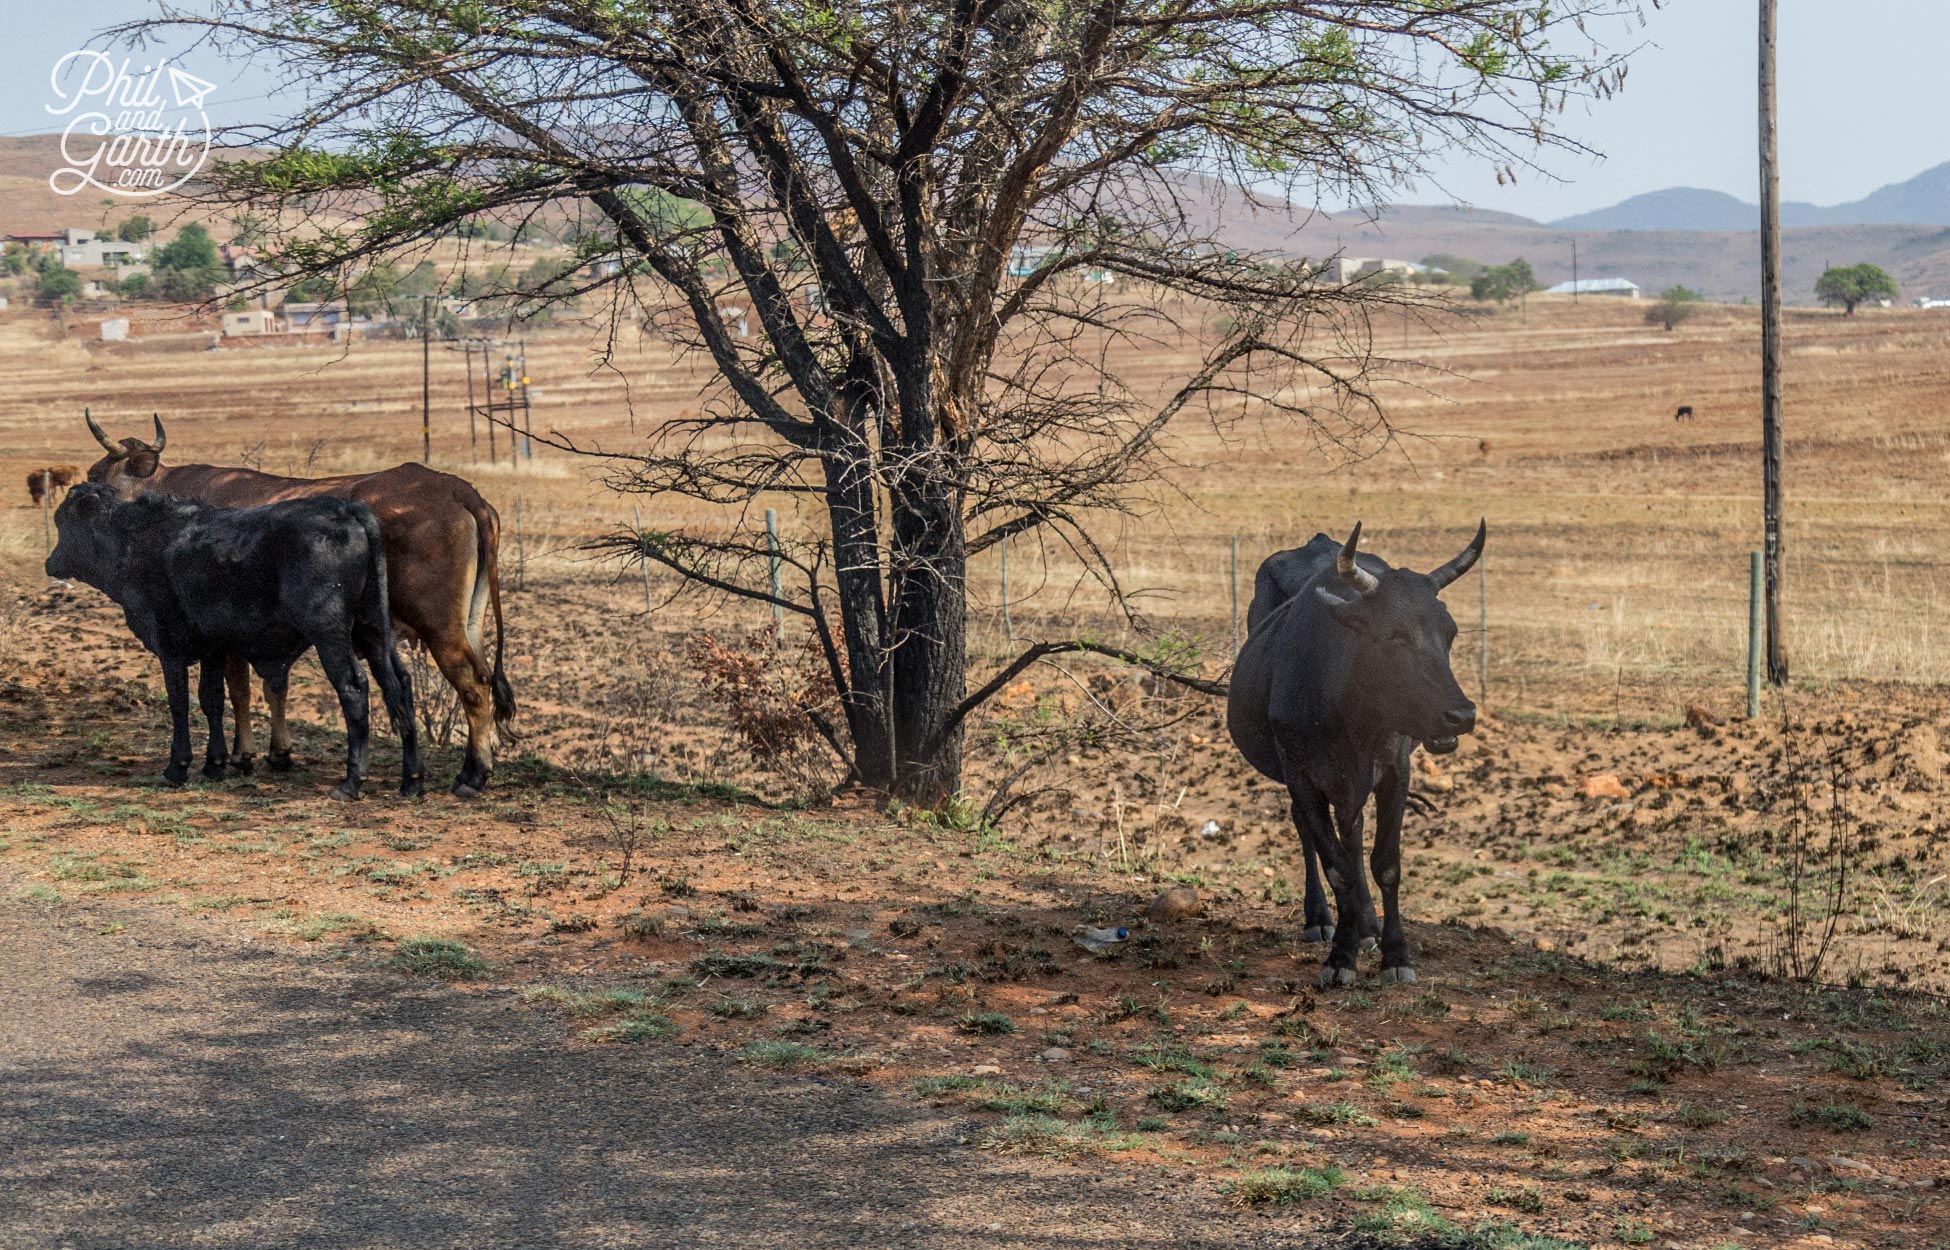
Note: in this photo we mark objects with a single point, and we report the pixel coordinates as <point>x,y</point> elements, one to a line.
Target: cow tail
<point>376,603</point>
<point>488,564</point>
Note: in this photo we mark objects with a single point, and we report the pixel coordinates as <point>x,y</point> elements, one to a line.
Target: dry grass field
<point>1585,1059</point>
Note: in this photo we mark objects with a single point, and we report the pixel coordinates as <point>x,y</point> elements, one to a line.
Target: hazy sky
<point>1861,103</point>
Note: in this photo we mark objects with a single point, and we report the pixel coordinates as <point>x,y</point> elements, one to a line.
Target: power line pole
<point>426,379</point>
<point>1770,351</point>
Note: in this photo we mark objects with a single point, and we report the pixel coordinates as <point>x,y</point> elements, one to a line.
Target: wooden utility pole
<point>1770,352</point>
<point>426,379</point>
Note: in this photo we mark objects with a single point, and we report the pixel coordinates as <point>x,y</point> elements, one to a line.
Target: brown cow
<point>443,574</point>
<point>52,482</point>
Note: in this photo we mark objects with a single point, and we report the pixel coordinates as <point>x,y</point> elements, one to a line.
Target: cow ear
<point>1346,611</point>
<point>144,464</point>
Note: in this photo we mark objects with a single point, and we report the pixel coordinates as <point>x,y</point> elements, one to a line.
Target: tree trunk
<point>863,607</point>
<point>929,636</point>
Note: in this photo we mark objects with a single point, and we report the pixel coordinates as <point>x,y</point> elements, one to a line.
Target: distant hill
<point>1720,264</point>
<point>1920,201</point>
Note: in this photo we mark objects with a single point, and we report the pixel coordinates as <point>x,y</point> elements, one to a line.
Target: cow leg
<point>456,664</point>
<point>1313,913</point>
<point>209,697</point>
<point>396,687</point>
<point>237,675</point>
<point>1390,800</point>
<point>349,680</point>
<point>176,680</point>
<point>277,684</point>
<point>1317,826</point>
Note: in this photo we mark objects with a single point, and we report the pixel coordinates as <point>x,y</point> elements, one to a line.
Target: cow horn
<point>1464,561</point>
<point>114,449</point>
<point>162,435</point>
<point>1352,573</point>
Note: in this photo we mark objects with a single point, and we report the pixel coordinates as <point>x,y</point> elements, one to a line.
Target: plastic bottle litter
<point>1099,941</point>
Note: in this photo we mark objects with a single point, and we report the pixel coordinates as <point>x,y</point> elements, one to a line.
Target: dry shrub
<point>779,697</point>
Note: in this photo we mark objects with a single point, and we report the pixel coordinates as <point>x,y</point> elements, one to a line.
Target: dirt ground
<point>1594,1052</point>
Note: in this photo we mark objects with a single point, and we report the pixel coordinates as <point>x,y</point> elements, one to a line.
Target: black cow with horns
<point>199,584</point>
<point>1345,669</point>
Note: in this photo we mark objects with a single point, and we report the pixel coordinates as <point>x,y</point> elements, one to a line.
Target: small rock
<point>1806,1165</point>
<point>1605,786</point>
<point>985,1069</point>
<point>1055,1054</point>
<point>1180,902</point>
<point>1842,1163</point>
<point>858,937</point>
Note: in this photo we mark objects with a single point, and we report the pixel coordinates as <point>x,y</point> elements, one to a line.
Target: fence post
<point>1008,626</point>
<point>1235,594</point>
<point>521,549</point>
<point>772,557</point>
<point>1482,631</point>
<point>1754,578</point>
<point>636,519</point>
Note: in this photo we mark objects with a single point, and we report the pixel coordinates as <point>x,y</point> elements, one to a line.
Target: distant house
<point>1342,270</point>
<point>1926,301</point>
<point>242,262</point>
<point>1024,261</point>
<point>326,316</point>
<point>1597,286</point>
<point>250,321</point>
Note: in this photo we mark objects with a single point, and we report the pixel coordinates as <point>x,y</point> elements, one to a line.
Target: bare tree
<point>919,206</point>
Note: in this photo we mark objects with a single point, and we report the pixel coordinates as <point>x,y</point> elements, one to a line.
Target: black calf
<point>199,584</point>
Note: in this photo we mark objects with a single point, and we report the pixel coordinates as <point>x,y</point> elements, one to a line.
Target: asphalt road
<point>183,1082</point>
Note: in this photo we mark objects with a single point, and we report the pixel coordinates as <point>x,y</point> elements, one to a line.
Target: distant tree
<point>14,260</point>
<point>135,286</point>
<point>1457,268</point>
<point>1850,285</point>
<point>186,268</point>
<point>192,248</point>
<point>135,229</point>
<point>1504,283</point>
<point>313,289</point>
<point>1675,305</point>
<point>186,286</point>
<point>58,284</point>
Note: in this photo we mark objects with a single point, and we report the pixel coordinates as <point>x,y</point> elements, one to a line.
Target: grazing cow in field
<point>1345,669</point>
<point>52,482</point>
<point>203,585</point>
<point>1483,445</point>
<point>443,544</point>
<point>1685,413</point>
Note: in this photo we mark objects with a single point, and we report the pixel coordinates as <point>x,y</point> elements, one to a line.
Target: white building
<point>1597,286</point>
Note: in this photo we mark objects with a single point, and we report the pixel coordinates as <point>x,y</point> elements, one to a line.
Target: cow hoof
<point>1370,943</point>
<point>413,787</point>
<point>345,792</point>
<point>278,761</point>
<point>1331,976</point>
<point>215,770</point>
<point>1317,933</point>
<point>241,766</point>
<point>176,774</point>
<point>464,791</point>
<point>1403,975</point>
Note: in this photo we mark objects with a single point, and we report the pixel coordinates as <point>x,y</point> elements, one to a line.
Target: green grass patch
<point>1282,1186</point>
<point>782,1055</point>
<point>1328,1113</point>
<point>640,1024</point>
<point>442,958</point>
<point>1189,1094</point>
<point>986,1023</point>
<point>1049,1136</point>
